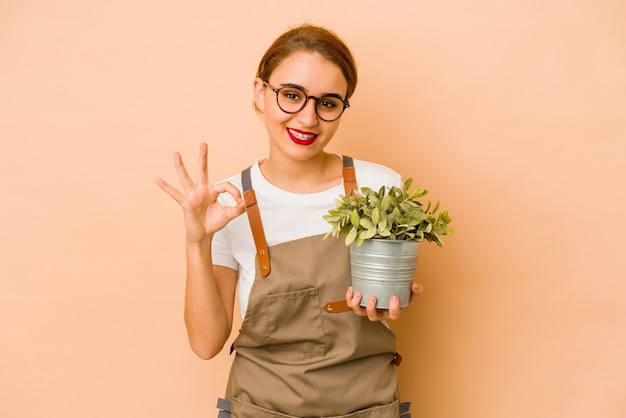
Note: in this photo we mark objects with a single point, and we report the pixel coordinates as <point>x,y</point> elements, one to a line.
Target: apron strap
<point>225,408</point>
<point>404,410</point>
<point>337,306</point>
<point>254,216</point>
<point>349,176</point>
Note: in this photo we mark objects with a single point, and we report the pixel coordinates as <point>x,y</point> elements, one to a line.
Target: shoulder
<point>375,175</point>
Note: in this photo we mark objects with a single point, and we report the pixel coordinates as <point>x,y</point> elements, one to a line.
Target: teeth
<point>300,135</point>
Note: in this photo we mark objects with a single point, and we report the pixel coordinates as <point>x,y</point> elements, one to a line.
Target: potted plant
<point>384,230</point>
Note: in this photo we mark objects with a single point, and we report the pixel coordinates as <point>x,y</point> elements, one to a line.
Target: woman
<point>306,347</point>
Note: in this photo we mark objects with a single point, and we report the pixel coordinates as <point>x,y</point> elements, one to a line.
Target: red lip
<point>301,141</point>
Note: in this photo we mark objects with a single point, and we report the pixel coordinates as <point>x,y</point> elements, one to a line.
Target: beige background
<point>509,112</point>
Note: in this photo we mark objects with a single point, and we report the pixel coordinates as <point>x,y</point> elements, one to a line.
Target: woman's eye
<point>328,103</point>
<point>292,95</point>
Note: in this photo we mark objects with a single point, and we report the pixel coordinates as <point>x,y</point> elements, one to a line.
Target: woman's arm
<point>209,302</point>
<point>209,290</point>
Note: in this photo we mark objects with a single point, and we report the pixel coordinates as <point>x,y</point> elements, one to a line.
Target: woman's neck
<point>310,176</point>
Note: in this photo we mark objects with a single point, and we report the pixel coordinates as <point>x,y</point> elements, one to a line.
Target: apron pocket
<point>295,321</point>
<point>243,409</point>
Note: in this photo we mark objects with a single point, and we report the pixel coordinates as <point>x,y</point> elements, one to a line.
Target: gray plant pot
<point>383,268</point>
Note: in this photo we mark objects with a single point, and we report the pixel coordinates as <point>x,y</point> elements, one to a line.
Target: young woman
<point>306,347</point>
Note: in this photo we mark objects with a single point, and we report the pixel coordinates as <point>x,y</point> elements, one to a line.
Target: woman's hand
<point>354,299</point>
<point>204,215</point>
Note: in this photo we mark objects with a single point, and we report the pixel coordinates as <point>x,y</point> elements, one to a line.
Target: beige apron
<point>301,352</point>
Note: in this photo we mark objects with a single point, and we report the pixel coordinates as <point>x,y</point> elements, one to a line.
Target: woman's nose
<point>308,114</point>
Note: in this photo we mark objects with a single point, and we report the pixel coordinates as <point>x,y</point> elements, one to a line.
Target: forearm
<point>207,315</point>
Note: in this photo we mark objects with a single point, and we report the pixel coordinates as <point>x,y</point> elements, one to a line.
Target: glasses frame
<point>276,90</point>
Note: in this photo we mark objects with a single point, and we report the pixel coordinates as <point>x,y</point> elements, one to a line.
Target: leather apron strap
<point>254,215</point>
<point>349,176</point>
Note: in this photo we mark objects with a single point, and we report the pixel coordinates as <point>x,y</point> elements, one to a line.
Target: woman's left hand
<point>354,299</point>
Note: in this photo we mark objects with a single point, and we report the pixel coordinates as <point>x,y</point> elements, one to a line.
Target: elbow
<point>205,342</point>
<point>205,353</point>
<point>204,348</point>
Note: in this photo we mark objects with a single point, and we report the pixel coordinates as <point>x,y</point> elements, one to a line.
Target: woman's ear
<point>259,95</point>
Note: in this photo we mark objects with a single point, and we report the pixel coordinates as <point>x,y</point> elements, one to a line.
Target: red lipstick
<point>301,137</point>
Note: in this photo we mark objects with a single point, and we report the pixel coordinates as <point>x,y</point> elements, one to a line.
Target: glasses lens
<point>329,108</point>
<point>291,100</point>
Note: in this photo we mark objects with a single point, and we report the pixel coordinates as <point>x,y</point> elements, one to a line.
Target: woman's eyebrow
<point>295,86</point>
<point>304,89</point>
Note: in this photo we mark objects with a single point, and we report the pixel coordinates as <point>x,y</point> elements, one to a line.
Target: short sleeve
<point>222,252</point>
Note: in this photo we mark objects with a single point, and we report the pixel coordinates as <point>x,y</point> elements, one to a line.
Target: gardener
<point>306,348</point>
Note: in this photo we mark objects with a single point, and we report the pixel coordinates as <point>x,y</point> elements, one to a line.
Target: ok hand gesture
<point>204,215</point>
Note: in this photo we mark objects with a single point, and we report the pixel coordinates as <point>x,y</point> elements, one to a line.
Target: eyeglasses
<point>293,99</point>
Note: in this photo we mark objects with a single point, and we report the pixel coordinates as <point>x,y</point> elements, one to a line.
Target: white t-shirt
<point>285,216</point>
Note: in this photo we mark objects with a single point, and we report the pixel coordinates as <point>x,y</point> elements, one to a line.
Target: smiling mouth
<point>301,138</point>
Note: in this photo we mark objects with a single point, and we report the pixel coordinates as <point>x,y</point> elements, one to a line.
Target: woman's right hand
<point>204,215</point>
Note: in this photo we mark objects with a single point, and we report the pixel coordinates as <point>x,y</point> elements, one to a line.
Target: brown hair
<point>310,38</point>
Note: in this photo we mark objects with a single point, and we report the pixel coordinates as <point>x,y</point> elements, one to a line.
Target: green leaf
<point>366,191</point>
<point>406,206</point>
<point>386,202</point>
<point>366,223</point>
<point>367,233</point>
<point>332,218</point>
<point>351,236</point>
<point>384,232</point>
<point>375,216</point>
<point>382,224</point>
<point>354,218</point>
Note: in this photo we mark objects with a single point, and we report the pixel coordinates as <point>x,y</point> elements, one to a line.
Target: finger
<point>228,187</point>
<point>417,289</point>
<point>372,313</point>
<point>394,308</point>
<point>353,299</point>
<point>230,211</point>
<point>183,175</point>
<point>203,173</point>
<point>175,194</point>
